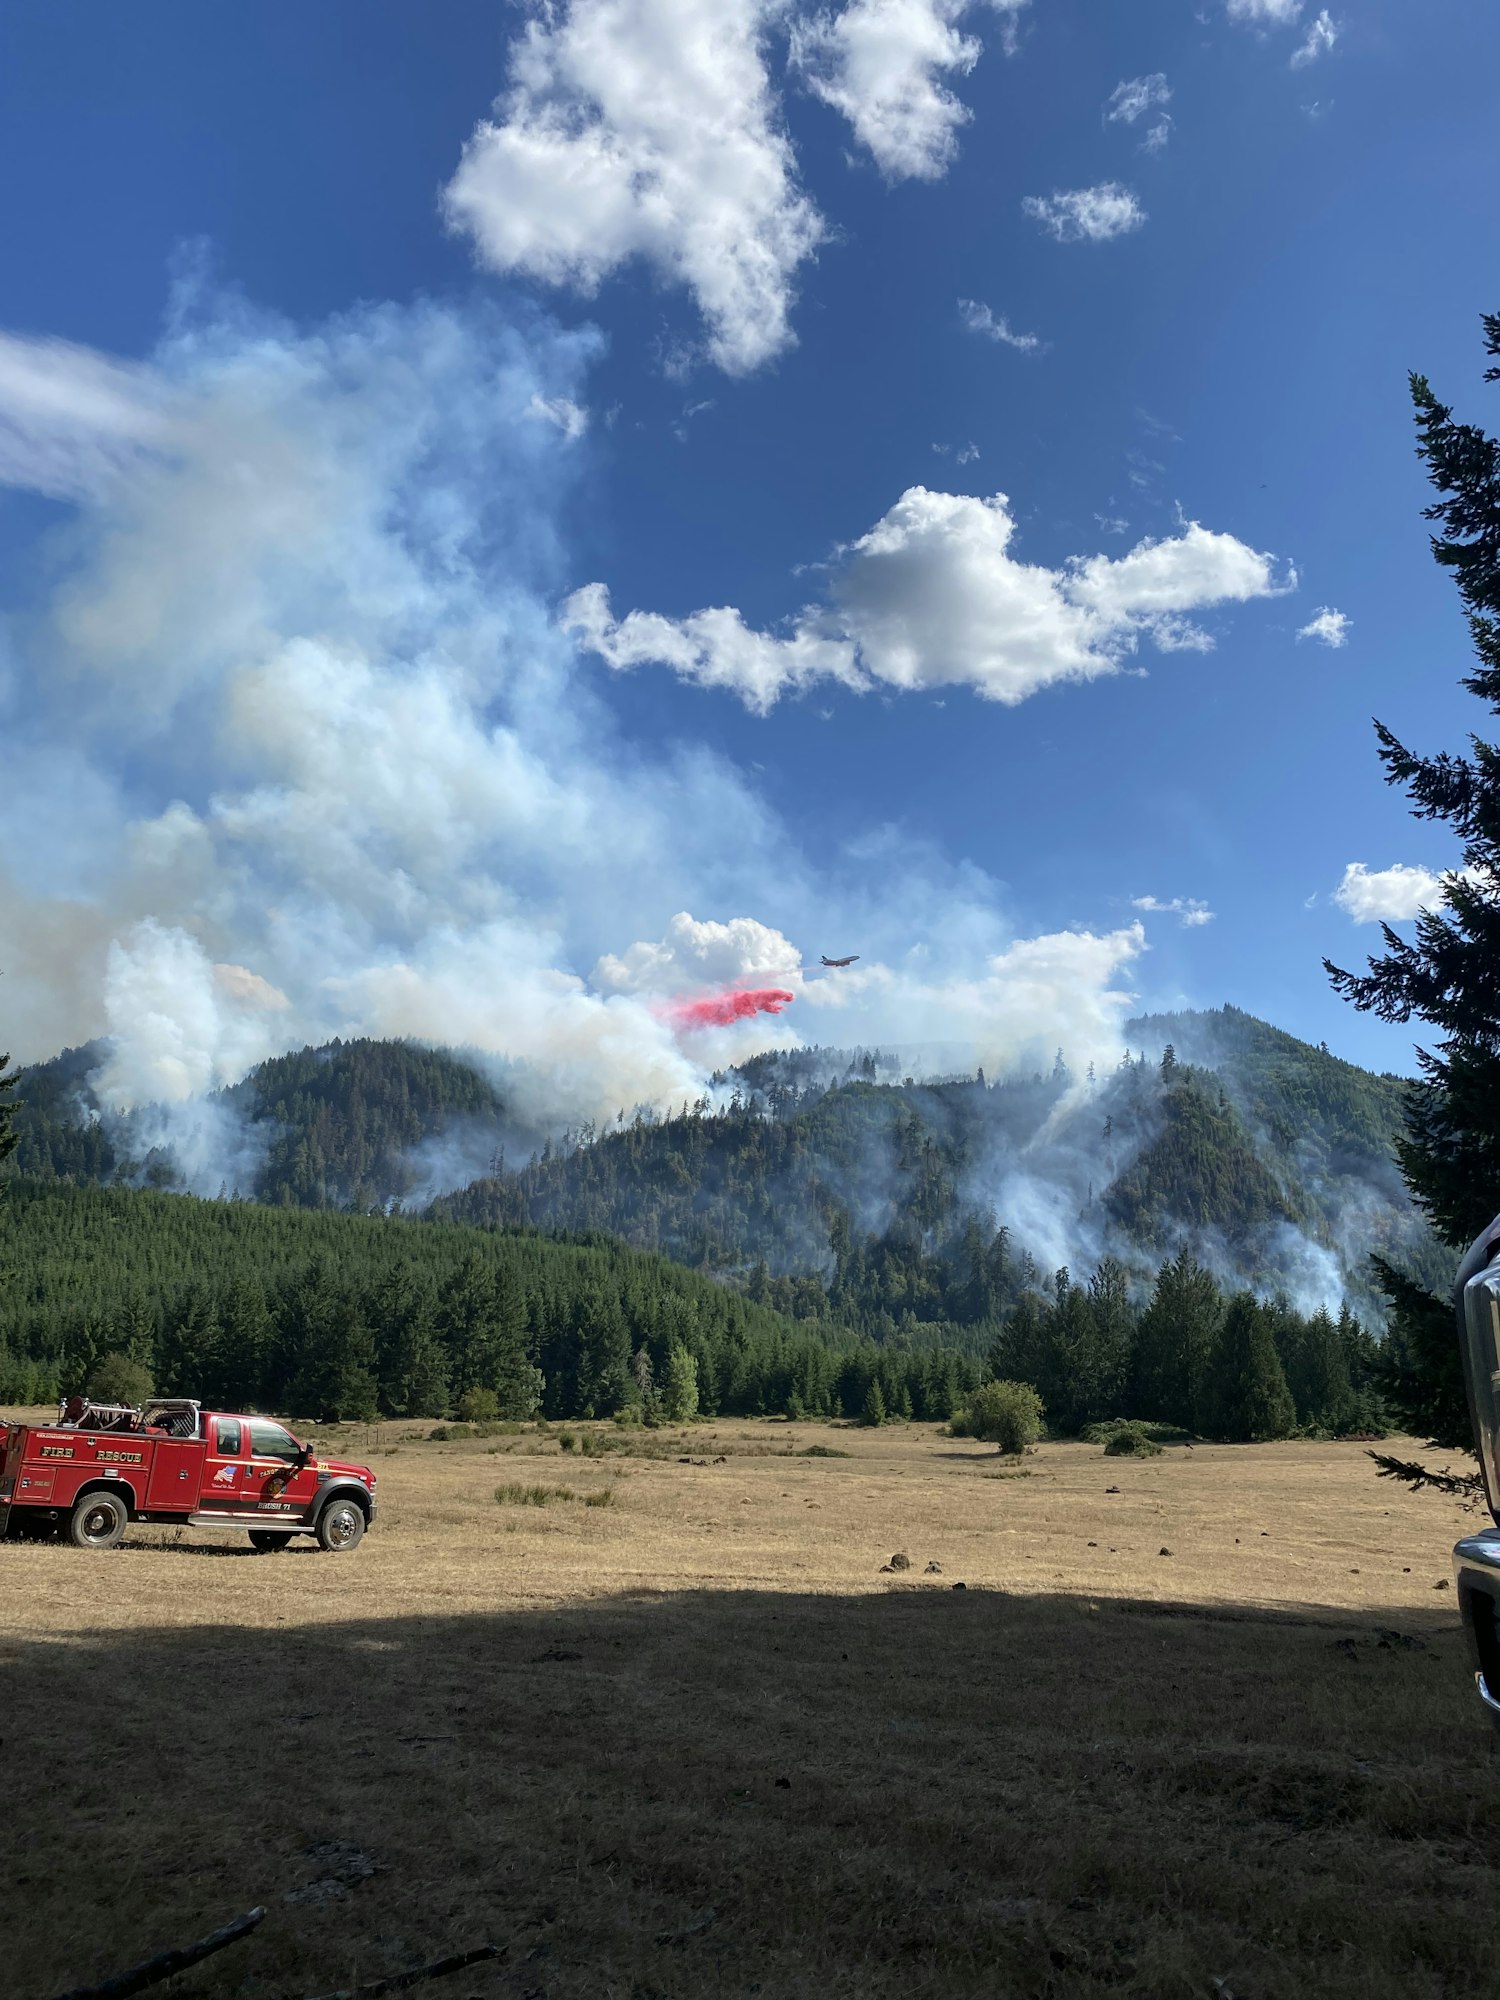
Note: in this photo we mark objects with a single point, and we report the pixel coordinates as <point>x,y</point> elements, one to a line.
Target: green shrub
<point>1131,1441</point>
<point>1007,1414</point>
<point>117,1378</point>
<point>514,1494</point>
<point>566,1440</point>
<point>479,1406</point>
<point>1101,1433</point>
<point>605,1497</point>
<point>822,1451</point>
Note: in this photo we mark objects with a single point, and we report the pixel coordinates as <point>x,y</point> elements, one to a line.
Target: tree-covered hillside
<point>327,1315</point>
<point>342,1126</point>
<point>331,1314</point>
<point>1271,1159</point>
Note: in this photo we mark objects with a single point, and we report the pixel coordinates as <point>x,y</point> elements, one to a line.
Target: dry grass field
<point>697,1740</point>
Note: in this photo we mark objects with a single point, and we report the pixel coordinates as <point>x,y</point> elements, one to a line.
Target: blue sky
<point>1315,218</point>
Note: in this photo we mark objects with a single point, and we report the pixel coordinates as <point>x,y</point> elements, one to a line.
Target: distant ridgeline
<point>828,1185</point>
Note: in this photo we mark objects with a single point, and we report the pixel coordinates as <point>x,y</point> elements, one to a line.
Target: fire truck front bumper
<point>1476,1569</point>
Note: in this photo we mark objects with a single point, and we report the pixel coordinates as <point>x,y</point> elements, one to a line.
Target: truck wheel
<point>268,1540</point>
<point>341,1525</point>
<point>98,1521</point>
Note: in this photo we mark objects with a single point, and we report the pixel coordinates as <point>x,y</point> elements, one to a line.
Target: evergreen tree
<point>236,1361</point>
<point>1250,1400</point>
<point>874,1411</point>
<point>187,1341</point>
<point>1317,1373</point>
<point>326,1350</point>
<point>411,1364</point>
<point>1174,1343</point>
<point>516,1383</point>
<point>1447,974</point>
<point>9,1138</point>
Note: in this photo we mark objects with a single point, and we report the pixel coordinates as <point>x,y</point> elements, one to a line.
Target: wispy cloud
<point>1272,13</point>
<point>1133,99</point>
<point>978,318</point>
<point>568,416</point>
<point>1086,215</point>
<point>1321,37</point>
<point>1188,910</point>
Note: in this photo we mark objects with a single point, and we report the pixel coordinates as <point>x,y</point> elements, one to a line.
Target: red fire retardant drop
<point>718,1010</point>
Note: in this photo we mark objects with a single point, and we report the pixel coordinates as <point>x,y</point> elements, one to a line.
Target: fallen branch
<point>399,1981</point>
<point>165,1963</point>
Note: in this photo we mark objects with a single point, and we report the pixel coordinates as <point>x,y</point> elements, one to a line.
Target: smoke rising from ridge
<point>331,768</point>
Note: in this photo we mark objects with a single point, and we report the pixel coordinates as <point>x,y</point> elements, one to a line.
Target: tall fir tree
<point>1447,975</point>
<point>1250,1400</point>
<point>1174,1344</point>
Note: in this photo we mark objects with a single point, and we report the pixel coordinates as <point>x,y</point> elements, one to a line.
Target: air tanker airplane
<point>852,959</point>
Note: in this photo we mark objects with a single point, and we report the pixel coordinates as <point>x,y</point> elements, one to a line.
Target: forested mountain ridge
<point>1268,1157</point>
<point>341,1126</point>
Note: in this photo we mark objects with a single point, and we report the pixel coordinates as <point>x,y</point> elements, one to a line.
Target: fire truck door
<point>227,1483</point>
<point>279,1482</point>
<point>172,1484</point>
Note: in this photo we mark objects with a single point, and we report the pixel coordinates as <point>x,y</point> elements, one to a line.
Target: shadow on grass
<point>922,1792</point>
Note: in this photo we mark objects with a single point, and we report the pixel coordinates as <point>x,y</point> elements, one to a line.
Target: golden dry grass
<point>581,1729</point>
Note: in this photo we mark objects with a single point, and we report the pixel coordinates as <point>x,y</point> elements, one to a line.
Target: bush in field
<point>514,1494</point>
<point>117,1378</point>
<point>1007,1414</point>
<point>1131,1441</point>
<point>1101,1433</point>
<point>479,1406</point>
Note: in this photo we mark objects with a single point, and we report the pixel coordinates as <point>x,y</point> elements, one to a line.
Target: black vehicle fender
<point>121,1486</point>
<point>342,1489</point>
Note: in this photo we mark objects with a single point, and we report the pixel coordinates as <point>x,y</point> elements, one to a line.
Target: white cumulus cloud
<point>646,128</point>
<point>932,596</point>
<point>977,318</point>
<point>881,63</point>
<point>1188,910</point>
<point>1086,215</point>
<point>1321,36</point>
<point>692,953</point>
<point>1329,627</point>
<point>1388,895</point>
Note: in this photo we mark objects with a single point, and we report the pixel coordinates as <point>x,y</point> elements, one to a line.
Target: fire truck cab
<point>103,1465</point>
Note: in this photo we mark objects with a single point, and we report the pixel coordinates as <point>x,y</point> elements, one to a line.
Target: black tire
<point>268,1540</point>
<point>341,1526</point>
<point>98,1521</point>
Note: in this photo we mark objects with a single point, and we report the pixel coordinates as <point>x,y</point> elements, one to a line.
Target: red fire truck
<point>102,1466</point>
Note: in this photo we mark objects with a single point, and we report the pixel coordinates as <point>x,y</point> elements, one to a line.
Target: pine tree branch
<point>1462,1485</point>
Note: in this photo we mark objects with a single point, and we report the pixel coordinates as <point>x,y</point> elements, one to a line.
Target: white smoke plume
<point>309,755</point>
